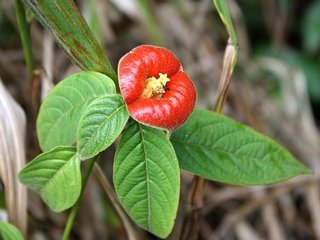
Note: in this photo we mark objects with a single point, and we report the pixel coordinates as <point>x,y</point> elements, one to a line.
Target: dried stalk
<point>195,196</point>
<point>105,184</point>
<point>13,158</point>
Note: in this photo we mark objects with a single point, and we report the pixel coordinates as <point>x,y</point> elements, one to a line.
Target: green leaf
<point>63,19</point>
<point>147,179</point>
<point>101,124</point>
<point>56,176</point>
<point>231,52</point>
<point>93,20</point>
<point>9,232</point>
<point>218,148</point>
<point>60,112</point>
<point>223,11</point>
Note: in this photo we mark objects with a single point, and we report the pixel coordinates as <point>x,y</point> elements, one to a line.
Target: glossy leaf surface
<point>101,124</point>
<point>147,179</point>
<point>218,148</point>
<point>60,112</point>
<point>56,176</point>
<point>231,52</point>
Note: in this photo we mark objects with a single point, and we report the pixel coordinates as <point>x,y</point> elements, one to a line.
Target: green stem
<point>75,207</point>
<point>25,36</point>
<point>168,133</point>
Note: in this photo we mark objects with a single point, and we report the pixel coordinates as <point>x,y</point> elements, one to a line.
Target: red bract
<point>155,88</point>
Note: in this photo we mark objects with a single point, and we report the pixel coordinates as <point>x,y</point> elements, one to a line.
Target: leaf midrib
<point>100,126</point>
<point>217,149</point>
<point>67,112</point>
<point>66,161</point>
<point>147,177</point>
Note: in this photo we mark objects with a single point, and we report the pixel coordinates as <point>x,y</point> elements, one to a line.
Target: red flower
<point>155,88</point>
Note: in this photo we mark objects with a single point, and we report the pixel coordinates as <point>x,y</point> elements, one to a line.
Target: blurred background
<point>275,89</point>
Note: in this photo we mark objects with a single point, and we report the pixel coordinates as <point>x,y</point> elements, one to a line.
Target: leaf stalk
<point>75,207</point>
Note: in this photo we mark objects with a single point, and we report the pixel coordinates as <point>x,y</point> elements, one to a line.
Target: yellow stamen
<point>155,87</point>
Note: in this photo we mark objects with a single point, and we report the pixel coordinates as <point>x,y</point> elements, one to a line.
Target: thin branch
<point>249,207</point>
<point>195,196</point>
<point>25,36</point>
<point>75,207</point>
<point>105,184</point>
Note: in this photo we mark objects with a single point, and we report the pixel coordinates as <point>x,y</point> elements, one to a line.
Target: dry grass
<point>192,30</point>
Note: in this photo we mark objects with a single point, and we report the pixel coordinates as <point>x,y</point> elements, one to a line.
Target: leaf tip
<point>306,170</point>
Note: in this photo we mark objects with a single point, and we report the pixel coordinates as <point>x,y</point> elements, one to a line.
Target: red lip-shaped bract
<point>168,110</point>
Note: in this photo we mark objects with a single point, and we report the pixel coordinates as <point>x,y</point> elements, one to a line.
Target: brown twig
<point>33,110</point>
<point>191,225</point>
<point>276,192</point>
<point>105,184</point>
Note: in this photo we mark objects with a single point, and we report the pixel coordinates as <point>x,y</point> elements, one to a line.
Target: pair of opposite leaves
<point>208,145</point>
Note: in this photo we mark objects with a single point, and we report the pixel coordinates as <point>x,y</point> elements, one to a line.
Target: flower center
<point>155,87</point>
